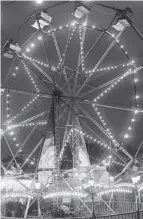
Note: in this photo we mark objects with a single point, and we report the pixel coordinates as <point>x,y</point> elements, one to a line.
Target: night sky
<point>14,15</point>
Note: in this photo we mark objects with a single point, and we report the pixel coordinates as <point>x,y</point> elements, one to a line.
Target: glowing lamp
<point>39,1</point>
<point>135,179</point>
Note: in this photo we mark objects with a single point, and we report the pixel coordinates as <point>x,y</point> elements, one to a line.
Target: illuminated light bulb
<point>13,74</point>
<point>126,52</point>
<point>40,38</point>
<point>73,23</point>
<point>129,128</point>
<point>93,26</point>
<point>137,96</point>
<point>16,68</point>
<point>132,61</point>
<point>27,50</point>
<point>126,136</point>
<point>113,35</point>
<point>136,111</point>
<point>17,145</point>
<point>135,80</point>
<point>39,1</point>
<point>11,133</point>
<point>14,139</point>
<point>32,45</point>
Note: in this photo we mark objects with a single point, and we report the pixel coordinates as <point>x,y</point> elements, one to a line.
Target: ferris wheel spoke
<point>22,112</point>
<point>25,122</point>
<point>100,60</point>
<point>46,53</point>
<point>111,106</point>
<point>8,74</point>
<point>102,140</point>
<point>42,72</point>
<point>32,93</point>
<point>11,152</point>
<point>99,87</point>
<point>111,82</point>
<point>106,133</point>
<point>95,122</point>
<point>60,58</point>
<point>29,38</point>
<point>96,42</point>
<point>32,152</point>
<point>80,55</point>
<point>22,145</point>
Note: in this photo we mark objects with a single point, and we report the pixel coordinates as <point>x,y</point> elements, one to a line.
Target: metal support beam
<point>77,197</point>
<point>104,131</point>
<point>100,60</point>
<point>80,58</point>
<point>22,145</point>
<point>27,207</point>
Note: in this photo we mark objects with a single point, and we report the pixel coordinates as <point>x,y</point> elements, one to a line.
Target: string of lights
<point>105,92</point>
<point>81,47</point>
<point>80,173</point>
<point>14,74</point>
<point>31,46</point>
<point>65,194</point>
<point>85,135</point>
<point>109,68</point>
<point>31,101</point>
<point>14,195</point>
<point>71,33</point>
<point>114,190</point>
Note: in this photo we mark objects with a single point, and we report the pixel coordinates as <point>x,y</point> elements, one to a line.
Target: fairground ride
<point>74,103</point>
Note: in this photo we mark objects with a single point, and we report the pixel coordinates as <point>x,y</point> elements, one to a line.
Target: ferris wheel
<point>55,99</point>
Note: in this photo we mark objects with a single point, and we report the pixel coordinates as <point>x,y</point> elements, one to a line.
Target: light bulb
<point>39,38</point>
<point>126,136</point>
<point>27,50</point>
<point>135,80</point>
<point>32,44</point>
<point>39,1</point>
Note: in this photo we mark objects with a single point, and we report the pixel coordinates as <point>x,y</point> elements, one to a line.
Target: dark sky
<point>15,14</point>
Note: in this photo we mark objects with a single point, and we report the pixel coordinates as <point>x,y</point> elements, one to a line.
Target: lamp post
<point>91,182</point>
<point>135,180</point>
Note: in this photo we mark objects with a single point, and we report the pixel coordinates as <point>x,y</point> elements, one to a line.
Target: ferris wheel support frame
<point>56,98</point>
